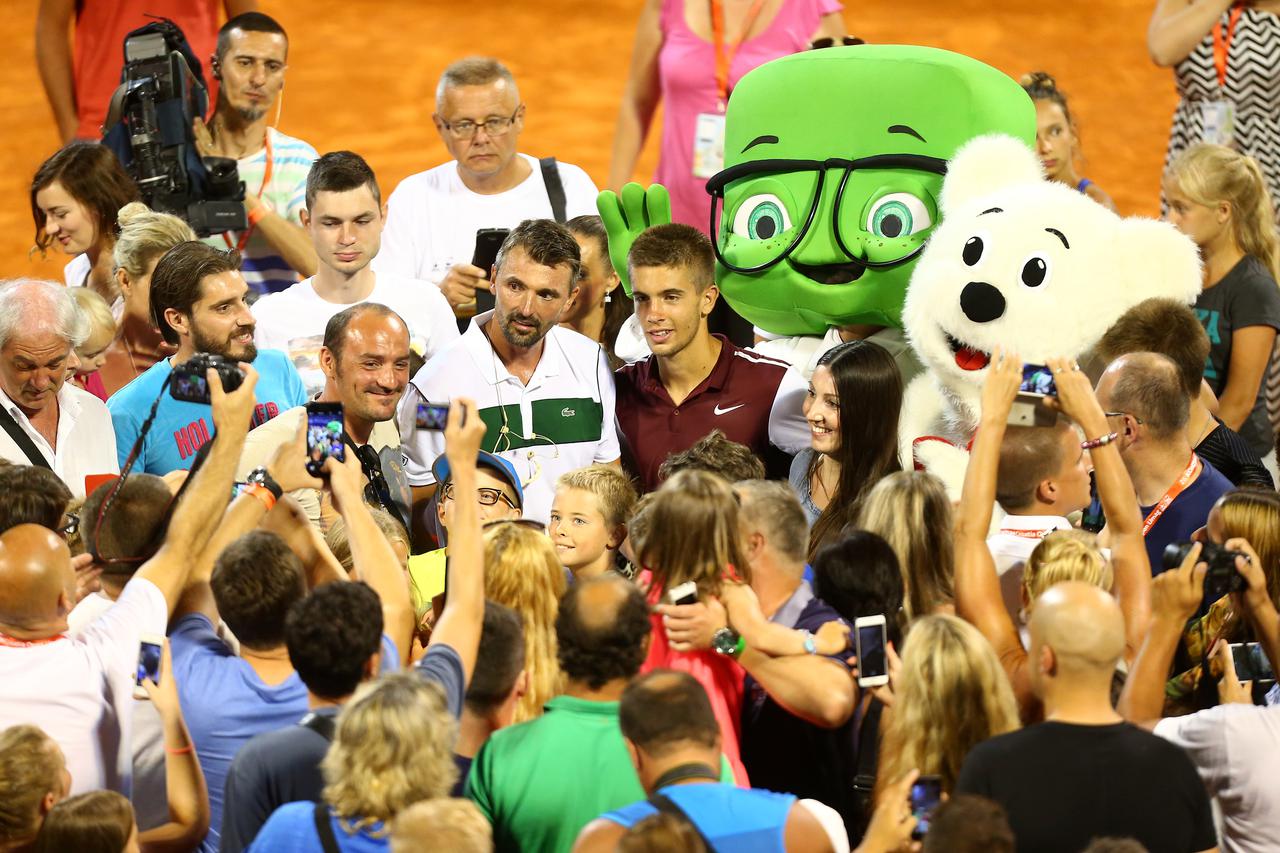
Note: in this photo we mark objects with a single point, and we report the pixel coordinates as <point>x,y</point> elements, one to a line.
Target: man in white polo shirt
<point>48,421</point>
<point>545,392</point>
<point>433,216</point>
<point>344,220</point>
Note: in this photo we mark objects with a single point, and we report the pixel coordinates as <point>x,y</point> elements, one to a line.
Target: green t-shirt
<point>539,783</point>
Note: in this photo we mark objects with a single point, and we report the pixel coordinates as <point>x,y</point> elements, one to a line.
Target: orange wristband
<point>255,215</point>
<point>262,493</point>
<point>182,751</point>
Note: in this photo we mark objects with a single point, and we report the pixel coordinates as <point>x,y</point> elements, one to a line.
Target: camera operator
<point>198,300</point>
<point>1234,746</point>
<point>48,421</point>
<point>249,64</point>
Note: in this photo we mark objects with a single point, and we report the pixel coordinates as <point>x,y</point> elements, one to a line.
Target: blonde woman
<point>144,236</point>
<point>1060,557</point>
<point>1218,197</point>
<point>393,747</point>
<point>949,694</point>
<point>522,571</point>
<point>910,510</point>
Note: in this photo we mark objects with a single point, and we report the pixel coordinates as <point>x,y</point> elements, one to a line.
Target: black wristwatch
<point>727,641</point>
<point>260,477</point>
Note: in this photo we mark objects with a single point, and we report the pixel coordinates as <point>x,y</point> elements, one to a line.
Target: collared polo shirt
<point>86,441</point>
<point>752,399</point>
<point>560,421</point>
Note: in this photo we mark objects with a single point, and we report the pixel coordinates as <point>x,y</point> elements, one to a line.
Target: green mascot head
<point>833,164</point>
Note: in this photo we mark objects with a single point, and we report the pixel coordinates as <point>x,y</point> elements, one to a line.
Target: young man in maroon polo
<point>695,381</point>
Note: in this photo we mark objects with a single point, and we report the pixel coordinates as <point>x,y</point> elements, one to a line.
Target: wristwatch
<point>260,477</point>
<point>727,641</point>
<point>810,645</point>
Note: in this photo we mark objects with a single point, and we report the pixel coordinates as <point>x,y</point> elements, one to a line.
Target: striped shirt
<point>264,269</point>
<point>560,421</point>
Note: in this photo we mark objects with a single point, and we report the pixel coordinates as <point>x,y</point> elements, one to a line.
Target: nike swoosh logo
<point>720,411</point>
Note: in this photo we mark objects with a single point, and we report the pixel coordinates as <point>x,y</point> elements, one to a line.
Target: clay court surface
<point>362,74</point>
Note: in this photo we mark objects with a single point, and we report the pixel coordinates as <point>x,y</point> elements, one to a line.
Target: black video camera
<point>149,127</point>
<point>189,382</point>
<point>1222,577</point>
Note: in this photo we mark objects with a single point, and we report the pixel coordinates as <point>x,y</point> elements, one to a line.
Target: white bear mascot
<point>1027,264</point>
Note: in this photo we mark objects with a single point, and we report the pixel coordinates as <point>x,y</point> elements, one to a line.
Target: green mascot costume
<point>833,163</point>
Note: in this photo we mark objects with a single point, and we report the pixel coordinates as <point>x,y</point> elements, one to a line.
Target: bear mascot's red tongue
<point>968,358</point>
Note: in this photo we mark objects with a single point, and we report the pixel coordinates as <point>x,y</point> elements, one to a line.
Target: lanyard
<point>725,59</point>
<point>1030,534</point>
<point>15,643</point>
<point>1193,468</point>
<point>266,179</point>
<point>1222,45</point>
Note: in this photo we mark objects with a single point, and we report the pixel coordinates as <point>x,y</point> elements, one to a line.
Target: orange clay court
<point>362,76</point>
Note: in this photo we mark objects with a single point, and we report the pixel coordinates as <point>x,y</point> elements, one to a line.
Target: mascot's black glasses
<point>718,183</point>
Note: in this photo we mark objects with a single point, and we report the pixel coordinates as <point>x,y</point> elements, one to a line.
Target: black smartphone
<point>324,436</point>
<point>926,794</point>
<point>150,649</point>
<point>1037,380</point>
<point>871,641</point>
<point>1251,662</point>
<point>433,416</point>
<point>1093,519</point>
<point>488,242</point>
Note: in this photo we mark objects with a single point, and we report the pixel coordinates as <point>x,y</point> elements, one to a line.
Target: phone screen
<point>324,435</point>
<point>1037,379</point>
<point>926,794</point>
<point>1251,662</point>
<point>433,416</point>
<point>871,654</point>
<point>149,662</point>
<point>1093,519</point>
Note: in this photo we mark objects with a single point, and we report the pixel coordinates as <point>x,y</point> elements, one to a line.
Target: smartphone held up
<point>872,640</point>
<point>150,650</point>
<point>324,436</point>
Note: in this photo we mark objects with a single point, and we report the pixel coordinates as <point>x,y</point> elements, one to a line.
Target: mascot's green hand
<point>626,216</point>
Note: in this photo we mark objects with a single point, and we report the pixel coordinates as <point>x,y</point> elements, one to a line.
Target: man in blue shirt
<point>198,302</point>
<point>1147,407</point>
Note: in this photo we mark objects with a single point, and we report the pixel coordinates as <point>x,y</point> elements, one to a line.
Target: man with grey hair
<point>433,217</point>
<point>1147,407</point>
<point>48,421</point>
<point>797,711</point>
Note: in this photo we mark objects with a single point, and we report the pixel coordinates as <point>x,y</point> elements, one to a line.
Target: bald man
<point>1147,406</point>
<point>1084,772</point>
<point>70,687</point>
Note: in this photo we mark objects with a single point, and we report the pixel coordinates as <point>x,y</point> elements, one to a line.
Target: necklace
<point>817,475</point>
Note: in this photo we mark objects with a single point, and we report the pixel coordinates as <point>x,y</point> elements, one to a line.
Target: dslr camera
<point>1221,578</point>
<point>149,127</point>
<point>189,383</point>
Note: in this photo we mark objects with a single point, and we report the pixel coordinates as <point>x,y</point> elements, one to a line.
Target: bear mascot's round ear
<point>986,165</point>
<point>1150,258</point>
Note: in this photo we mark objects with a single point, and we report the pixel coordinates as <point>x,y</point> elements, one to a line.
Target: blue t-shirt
<point>734,820</point>
<point>292,829</point>
<point>181,428</point>
<point>1187,514</point>
<point>225,703</point>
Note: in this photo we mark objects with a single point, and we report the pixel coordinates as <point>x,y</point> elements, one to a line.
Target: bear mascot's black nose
<point>981,302</point>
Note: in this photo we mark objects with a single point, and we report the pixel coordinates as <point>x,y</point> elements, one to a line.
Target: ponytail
<point>1255,229</point>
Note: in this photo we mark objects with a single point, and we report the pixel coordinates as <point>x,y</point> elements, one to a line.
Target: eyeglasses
<point>494,127</point>
<point>519,522</point>
<point>756,239</point>
<point>486,496</point>
<point>847,41</point>
<point>1122,415</point>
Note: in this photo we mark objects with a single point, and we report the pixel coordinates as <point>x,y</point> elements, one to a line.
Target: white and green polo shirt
<point>562,420</point>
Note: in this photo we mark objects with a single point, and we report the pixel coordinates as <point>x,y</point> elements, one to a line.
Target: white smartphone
<point>685,593</point>
<point>873,661</point>
<point>150,649</point>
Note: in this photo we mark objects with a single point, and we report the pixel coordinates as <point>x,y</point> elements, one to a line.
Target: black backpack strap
<point>865,768</point>
<point>320,724</point>
<point>555,188</point>
<point>20,438</point>
<point>328,841</point>
<point>667,806</point>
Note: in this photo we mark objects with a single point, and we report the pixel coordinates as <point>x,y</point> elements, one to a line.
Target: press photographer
<point>198,303</point>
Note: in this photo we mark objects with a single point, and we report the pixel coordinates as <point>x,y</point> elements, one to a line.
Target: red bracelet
<point>1102,441</point>
<point>255,216</point>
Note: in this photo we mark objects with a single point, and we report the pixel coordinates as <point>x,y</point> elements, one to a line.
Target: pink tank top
<point>687,75</point>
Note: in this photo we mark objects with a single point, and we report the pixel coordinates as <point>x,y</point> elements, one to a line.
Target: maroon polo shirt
<point>740,397</point>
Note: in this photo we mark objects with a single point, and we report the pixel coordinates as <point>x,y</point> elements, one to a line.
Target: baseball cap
<point>484,459</point>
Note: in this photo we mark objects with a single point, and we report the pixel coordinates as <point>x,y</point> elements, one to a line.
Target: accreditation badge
<point>708,145</point>
<point>1219,118</point>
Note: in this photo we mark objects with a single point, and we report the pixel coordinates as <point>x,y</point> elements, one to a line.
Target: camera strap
<point>20,438</point>
<point>1188,476</point>
<point>555,187</point>
<point>667,806</point>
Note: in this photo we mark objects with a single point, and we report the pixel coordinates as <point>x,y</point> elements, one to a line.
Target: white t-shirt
<point>86,439</point>
<point>69,687</point>
<point>432,218</point>
<point>562,420</point>
<point>294,319</point>
<point>1011,547</point>
<point>1236,750</point>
